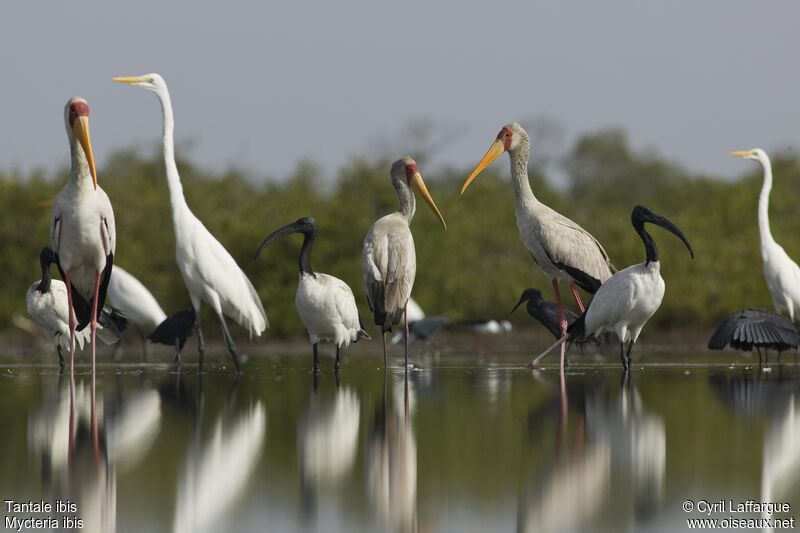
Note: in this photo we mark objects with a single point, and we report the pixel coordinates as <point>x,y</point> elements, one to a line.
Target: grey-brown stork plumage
<point>388,257</point>
<point>562,249</point>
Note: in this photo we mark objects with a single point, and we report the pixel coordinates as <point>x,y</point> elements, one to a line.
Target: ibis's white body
<point>50,312</point>
<point>626,301</point>
<point>327,308</point>
<point>780,272</point>
<point>131,298</point>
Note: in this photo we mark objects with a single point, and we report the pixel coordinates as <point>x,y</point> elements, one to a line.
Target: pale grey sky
<point>260,85</point>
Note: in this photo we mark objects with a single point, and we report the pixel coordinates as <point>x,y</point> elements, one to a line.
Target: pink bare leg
<point>72,324</point>
<point>94,315</point>
<point>562,340</point>
<point>577,296</point>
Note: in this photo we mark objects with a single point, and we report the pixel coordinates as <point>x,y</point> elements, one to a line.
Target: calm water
<point>461,444</point>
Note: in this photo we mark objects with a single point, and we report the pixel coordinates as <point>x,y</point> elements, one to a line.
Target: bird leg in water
<point>563,319</point>
<point>577,296</point>
<point>315,364</point>
<point>383,338</point>
<point>60,359</point>
<point>535,363</point>
<point>622,355</point>
<point>231,345</point>
<point>94,317</point>
<point>201,344</point>
<point>337,360</point>
<point>72,324</point>
<point>628,353</point>
<point>405,326</point>
<point>177,362</point>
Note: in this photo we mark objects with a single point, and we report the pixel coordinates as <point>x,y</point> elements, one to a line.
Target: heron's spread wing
<point>755,328</point>
<point>575,251</point>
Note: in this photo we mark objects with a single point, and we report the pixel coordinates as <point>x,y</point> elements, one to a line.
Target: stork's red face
<point>77,108</point>
<point>414,180</point>
<point>505,137</point>
<point>411,170</point>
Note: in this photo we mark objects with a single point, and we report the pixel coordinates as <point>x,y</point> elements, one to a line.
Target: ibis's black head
<point>534,296</point>
<point>46,258</point>
<point>642,214</point>
<point>305,225</point>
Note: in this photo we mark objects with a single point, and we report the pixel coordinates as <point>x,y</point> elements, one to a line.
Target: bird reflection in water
<point>83,442</point>
<point>391,463</point>
<point>573,492</point>
<point>327,443</point>
<point>218,467</point>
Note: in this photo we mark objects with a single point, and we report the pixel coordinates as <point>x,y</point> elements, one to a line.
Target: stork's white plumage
<point>388,257</point>
<point>781,273</point>
<point>627,300</point>
<point>82,228</point>
<point>131,298</point>
<point>326,304</point>
<point>562,249</point>
<point>210,273</point>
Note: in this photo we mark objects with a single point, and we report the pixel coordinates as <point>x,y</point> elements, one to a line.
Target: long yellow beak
<point>423,191</point>
<point>81,130</point>
<point>128,79</point>
<point>494,152</point>
<point>740,153</point>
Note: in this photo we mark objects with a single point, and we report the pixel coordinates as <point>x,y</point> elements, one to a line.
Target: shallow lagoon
<point>460,443</point>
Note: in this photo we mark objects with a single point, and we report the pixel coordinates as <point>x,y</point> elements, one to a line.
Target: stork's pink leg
<point>577,296</point>
<point>562,340</point>
<point>72,324</point>
<point>94,315</point>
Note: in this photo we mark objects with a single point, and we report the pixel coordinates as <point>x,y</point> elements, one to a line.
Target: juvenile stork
<point>561,248</point>
<point>82,229</point>
<point>781,273</point>
<point>627,300</point>
<point>326,304</point>
<point>388,257</point>
<point>210,273</point>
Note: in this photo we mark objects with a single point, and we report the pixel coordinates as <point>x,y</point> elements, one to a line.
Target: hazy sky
<point>260,85</point>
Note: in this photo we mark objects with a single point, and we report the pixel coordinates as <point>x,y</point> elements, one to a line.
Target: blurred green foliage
<point>477,268</point>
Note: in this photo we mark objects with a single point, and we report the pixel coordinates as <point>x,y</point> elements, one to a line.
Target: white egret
<point>561,248</point>
<point>388,257</point>
<point>326,304</point>
<point>782,274</point>
<point>210,273</point>
<point>82,229</point>
<point>627,300</point>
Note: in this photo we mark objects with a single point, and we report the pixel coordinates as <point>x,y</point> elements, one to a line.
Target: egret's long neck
<point>763,204</point>
<point>519,175</point>
<point>407,202</point>
<point>305,253</point>
<point>176,197</point>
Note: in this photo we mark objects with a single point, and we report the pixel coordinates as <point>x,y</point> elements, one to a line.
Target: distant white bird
<point>489,327</point>
<point>414,310</point>
<point>138,305</point>
<point>326,304</point>
<point>627,300</point>
<point>561,248</point>
<point>388,257</point>
<point>782,274</point>
<point>47,305</point>
<point>82,228</point>
<point>210,273</point>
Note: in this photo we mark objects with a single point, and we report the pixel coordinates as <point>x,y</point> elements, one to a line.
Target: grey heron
<point>82,229</point>
<point>388,257</point>
<point>781,273</point>
<point>627,300</point>
<point>210,273</point>
<point>562,249</point>
<point>326,304</point>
